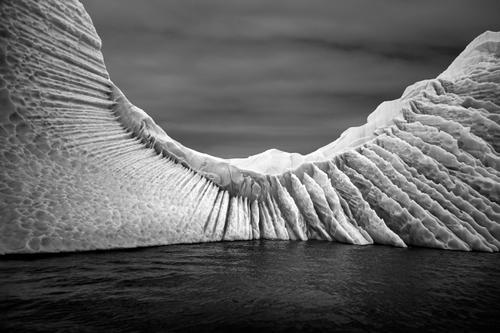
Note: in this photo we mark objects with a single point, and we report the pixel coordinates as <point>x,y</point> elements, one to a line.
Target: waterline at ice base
<point>82,168</point>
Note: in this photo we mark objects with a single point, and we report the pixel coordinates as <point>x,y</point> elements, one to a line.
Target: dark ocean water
<point>261,285</point>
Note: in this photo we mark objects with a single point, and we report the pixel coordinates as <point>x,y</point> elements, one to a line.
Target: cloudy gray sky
<point>235,77</point>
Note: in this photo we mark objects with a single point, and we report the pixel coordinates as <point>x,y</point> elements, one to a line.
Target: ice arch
<point>82,168</point>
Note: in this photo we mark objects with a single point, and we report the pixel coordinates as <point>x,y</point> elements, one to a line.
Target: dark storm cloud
<point>237,77</point>
<point>400,51</point>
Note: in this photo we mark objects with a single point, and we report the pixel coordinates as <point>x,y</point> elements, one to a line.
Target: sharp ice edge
<point>82,168</point>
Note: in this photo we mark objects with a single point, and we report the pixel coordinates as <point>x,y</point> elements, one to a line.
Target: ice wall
<point>82,168</point>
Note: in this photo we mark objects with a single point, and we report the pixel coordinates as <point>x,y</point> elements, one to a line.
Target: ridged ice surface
<point>82,168</point>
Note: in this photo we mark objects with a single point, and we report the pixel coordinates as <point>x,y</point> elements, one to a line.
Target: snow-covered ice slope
<point>82,168</point>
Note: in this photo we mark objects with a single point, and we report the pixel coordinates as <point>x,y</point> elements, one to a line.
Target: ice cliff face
<point>82,168</point>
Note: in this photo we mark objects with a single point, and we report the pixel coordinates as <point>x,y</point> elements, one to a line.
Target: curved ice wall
<point>82,168</point>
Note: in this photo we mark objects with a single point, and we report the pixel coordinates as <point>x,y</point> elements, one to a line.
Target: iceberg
<point>82,168</point>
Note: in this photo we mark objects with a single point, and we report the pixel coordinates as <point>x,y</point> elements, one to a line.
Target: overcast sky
<point>234,78</point>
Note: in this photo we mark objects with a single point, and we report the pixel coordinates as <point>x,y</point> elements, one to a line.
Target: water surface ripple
<point>283,286</point>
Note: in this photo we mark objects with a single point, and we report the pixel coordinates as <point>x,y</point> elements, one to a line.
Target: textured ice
<point>83,168</point>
